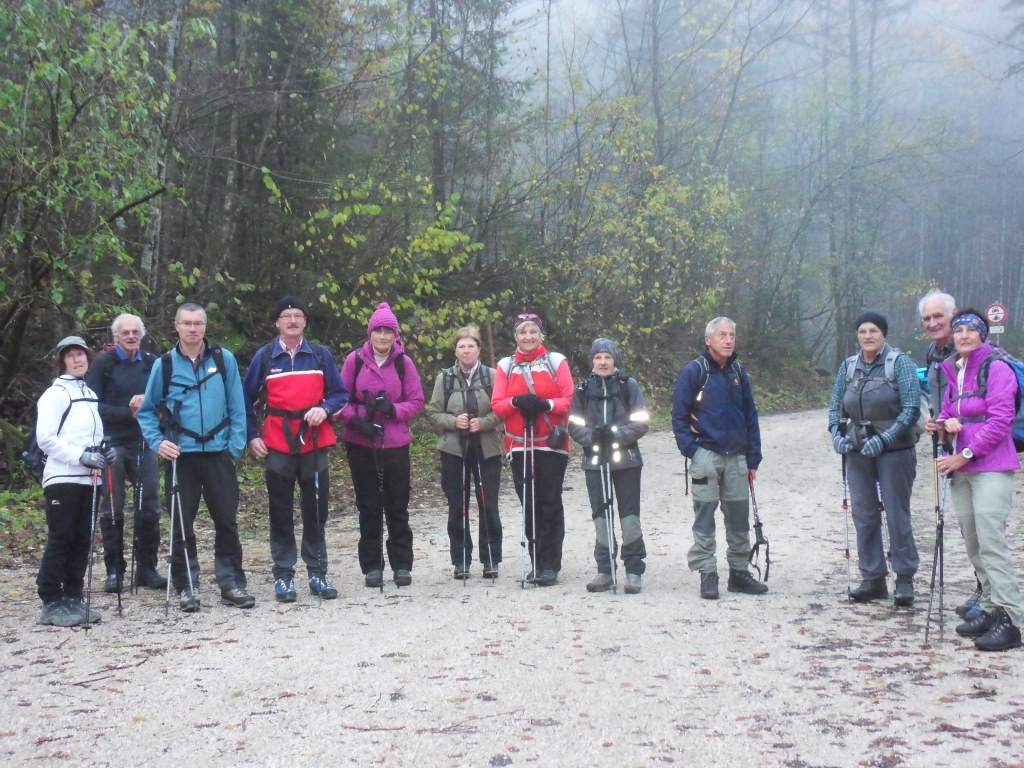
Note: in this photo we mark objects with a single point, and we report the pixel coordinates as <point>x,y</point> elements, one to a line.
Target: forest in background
<point>628,168</point>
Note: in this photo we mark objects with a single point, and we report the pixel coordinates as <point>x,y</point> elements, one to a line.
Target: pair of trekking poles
<point>529,498</point>
<point>103,448</point>
<point>938,554</point>
<point>470,449</point>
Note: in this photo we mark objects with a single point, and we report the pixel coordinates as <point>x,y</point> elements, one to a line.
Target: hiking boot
<point>870,589</point>
<point>977,627</point>
<point>55,614</point>
<point>284,591</point>
<point>461,574</point>
<point>1002,636</point>
<point>490,571</point>
<point>374,579</point>
<point>76,607</point>
<point>601,583</point>
<point>237,597</point>
<point>403,577</point>
<point>189,600</point>
<point>531,577</point>
<point>321,585</point>
<point>745,583</point>
<point>632,584</point>
<point>970,608</point>
<point>547,578</point>
<point>112,584</point>
<point>903,594</point>
<point>149,576</point>
<point>709,585</point>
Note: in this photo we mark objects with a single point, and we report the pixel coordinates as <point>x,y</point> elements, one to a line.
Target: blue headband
<point>971,320</point>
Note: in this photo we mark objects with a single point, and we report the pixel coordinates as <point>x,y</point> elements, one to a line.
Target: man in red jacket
<point>294,386</point>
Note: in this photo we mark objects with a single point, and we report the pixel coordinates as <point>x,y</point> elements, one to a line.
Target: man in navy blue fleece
<point>715,423</point>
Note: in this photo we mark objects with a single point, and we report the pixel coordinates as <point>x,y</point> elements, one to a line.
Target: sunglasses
<point>528,317</point>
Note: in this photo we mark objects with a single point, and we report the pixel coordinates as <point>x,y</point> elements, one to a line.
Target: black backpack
<point>170,421</point>
<point>448,380</point>
<point>32,455</point>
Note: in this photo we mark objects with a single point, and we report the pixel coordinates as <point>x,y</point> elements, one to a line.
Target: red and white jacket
<point>511,380</point>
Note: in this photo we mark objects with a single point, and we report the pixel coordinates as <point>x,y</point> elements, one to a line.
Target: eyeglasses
<point>292,316</point>
<point>190,323</point>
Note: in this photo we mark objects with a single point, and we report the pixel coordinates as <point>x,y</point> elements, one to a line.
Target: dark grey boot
<point>742,581</point>
<point>870,589</point>
<point>903,595</point>
<point>1002,636</point>
<point>709,585</point>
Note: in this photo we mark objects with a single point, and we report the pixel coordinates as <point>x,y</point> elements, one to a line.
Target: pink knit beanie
<point>383,317</point>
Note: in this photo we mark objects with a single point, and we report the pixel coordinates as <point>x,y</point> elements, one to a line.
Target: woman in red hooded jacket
<point>533,392</point>
<point>385,394</point>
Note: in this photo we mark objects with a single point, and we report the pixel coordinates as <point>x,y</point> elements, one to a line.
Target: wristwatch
<point>968,454</point>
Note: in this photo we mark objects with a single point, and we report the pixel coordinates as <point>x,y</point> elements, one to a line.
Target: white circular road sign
<point>995,313</point>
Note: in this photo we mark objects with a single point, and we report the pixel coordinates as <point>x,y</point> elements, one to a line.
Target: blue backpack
<point>998,353</point>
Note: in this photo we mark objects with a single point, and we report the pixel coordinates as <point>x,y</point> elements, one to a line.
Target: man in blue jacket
<point>197,423</point>
<point>715,423</point>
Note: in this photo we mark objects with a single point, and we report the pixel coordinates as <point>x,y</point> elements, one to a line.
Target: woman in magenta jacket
<point>385,395</point>
<point>980,468</point>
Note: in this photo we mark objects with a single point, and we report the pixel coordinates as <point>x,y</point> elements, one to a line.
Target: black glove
<point>109,454</point>
<point>363,427</point>
<point>385,406</point>
<point>528,404</point>
<point>93,460</point>
<point>601,433</point>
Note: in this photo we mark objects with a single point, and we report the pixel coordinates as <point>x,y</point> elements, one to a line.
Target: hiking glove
<point>842,445</point>
<point>362,426</point>
<point>872,447</point>
<point>92,460</point>
<point>385,406</point>
<point>600,433</point>
<point>529,404</point>
<point>110,455</point>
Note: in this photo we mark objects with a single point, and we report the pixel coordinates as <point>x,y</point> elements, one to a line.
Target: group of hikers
<point>104,423</point>
<point>876,416</point>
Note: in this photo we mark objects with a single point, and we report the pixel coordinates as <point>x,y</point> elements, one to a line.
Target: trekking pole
<point>883,523</point>
<point>464,439</point>
<point>533,498</point>
<point>608,494</point>
<point>94,512</point>
<point>522,528</point>
<point>937,555</point>
<point>176,504</point>
<point>136,514</point>
<point>321,532</point>
<point>481,500</point>
<point>759,537</point>
<point>846,513</point>
<point>113,523</point>
<point>378,458</point>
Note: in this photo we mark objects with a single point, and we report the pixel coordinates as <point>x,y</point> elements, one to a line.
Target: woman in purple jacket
<point>385,395</point>
<point>978,417</point>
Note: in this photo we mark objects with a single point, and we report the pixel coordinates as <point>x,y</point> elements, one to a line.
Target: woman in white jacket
<point>69,431</point>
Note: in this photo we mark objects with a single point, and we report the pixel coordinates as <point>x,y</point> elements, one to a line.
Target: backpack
<point>399,367</point>
<point>448,380</point>
<point>1017,427</point>
<point>924,407</point>
<point>623,380</point>
<point>171,421</point>
<point>268,349</point>
<point>32,455</point>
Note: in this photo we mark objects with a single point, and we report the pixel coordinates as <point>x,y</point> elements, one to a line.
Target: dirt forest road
<point>446,674</point>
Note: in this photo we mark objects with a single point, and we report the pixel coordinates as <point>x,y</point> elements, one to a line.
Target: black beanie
<point>288,302</point>
<point>871,316</point>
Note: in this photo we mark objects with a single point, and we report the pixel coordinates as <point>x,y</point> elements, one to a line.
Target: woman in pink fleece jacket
<point>981,467</point>
<point>385,394</point>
